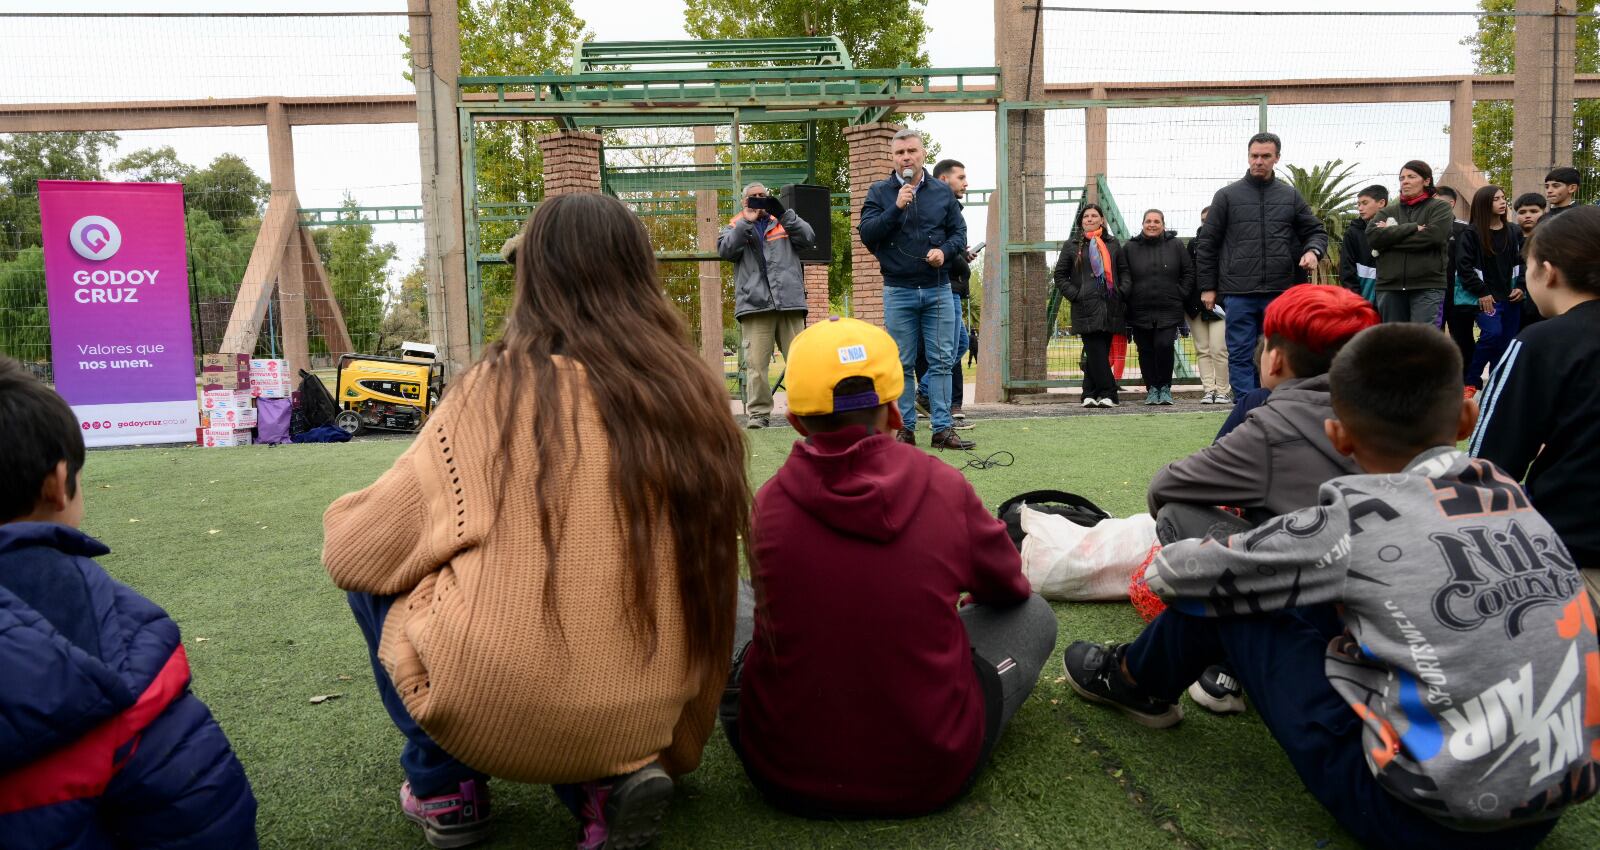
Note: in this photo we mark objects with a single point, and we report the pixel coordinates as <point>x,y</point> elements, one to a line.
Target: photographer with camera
<point>769,288</point>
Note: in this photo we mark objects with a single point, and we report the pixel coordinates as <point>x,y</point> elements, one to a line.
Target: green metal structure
<point>785,85</point>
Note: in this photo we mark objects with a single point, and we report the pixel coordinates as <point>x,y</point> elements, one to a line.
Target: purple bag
<point>272,420</point>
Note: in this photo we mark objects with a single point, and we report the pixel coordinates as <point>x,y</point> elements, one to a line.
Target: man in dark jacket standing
<point>912,223</point>
<point>769,288</point>
<point>1260,239</point>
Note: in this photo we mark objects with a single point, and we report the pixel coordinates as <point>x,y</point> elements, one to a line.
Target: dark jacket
<point>1539,426</point>
<point>1459,230</point>
<point>960,274</point>
<point>1491,274</point>
<point>1412,251</point>
<point>772,279</point>
<point>101,743</point>
<point>900,239</point>
<point>1254,237</point>
<point>858,692</point>
<point>1155,280</point>
<point>1193,308</point>
<point>1094,308</point>
<point>1273,462</point>
<point>1355,256</point>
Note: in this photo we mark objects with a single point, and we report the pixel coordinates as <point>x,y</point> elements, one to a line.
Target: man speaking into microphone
<point>913,225</point>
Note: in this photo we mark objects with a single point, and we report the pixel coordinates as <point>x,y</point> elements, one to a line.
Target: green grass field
<point>228,540</point>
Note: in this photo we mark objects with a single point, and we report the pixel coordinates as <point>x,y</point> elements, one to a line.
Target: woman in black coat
<point>1155,280</point>
<point>1086,275</point>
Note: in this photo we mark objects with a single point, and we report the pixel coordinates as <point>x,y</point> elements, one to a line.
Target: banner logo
<point>95,237</point>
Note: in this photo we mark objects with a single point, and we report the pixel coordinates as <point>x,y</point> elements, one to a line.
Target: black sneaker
<point>1217,691</point>
<point>1095,672</point>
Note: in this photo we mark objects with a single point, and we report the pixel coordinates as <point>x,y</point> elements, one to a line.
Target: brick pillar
<point>870,161</point>
<point>571,162</point>
<point>816,293</point>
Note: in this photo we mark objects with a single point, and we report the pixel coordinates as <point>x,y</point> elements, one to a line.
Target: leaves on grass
<point>215,531</point>
<point>132,520</point>
<point>319,699</point>
<point>342,677</point>
<point>201,640</point>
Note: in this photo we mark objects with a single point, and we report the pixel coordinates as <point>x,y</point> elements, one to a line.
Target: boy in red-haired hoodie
<point>865,690</point>
<point>1273,462</point>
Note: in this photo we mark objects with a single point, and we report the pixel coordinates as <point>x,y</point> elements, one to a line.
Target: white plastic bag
<point>1066,562</point>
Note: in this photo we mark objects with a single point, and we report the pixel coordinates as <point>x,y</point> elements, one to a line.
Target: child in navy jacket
<point>101,743</point>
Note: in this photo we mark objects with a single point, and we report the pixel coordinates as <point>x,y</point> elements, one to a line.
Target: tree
<point>882,34</point>
<point>1331,194</point>
<point>406,316</point>
<point>358,272</point>
<point>1494,49</point>
<point>154,165</point>
<point>228,190</point>
<point>27,158</point>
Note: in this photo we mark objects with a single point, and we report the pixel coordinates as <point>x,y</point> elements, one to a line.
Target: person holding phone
<point>954,175</point>
<point>769,289</point>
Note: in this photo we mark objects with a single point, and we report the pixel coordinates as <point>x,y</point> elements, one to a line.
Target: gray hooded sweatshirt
<point>1274,461</point>
<point>1470,650</point>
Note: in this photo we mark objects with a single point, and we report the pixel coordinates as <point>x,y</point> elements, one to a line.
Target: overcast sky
<point>1168,158</point>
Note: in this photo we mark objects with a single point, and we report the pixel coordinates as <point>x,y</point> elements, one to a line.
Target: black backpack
<point>316,408</point>
<point>1058,502</point>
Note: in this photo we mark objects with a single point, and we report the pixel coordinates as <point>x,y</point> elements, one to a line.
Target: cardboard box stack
<point>227,404</point>
<point>270,379</point>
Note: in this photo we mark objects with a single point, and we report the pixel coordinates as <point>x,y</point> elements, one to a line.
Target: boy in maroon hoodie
<point>866,691</point>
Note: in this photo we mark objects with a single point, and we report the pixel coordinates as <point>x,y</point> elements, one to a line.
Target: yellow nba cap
<point>828,352</point>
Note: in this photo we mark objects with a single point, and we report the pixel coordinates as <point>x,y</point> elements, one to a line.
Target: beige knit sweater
<point>470,650</point>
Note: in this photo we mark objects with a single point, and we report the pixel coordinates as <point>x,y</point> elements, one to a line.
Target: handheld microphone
<point>907,173</point>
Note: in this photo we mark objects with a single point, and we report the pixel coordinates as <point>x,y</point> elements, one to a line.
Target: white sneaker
<point>1106,402</point>
<point>1089,402</point>
<point>1217,691</point>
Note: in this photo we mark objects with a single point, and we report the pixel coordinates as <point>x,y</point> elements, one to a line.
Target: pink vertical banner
<point>116,270</point>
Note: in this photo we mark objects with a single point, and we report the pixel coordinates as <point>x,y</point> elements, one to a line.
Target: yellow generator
<point>391,393</point>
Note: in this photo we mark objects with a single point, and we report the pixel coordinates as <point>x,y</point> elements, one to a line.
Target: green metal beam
<point>594,57</point>
<point>1052,195</point>
<point>335,216</point>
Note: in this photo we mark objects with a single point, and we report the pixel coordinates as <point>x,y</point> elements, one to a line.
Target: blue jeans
<point>961,349</point>
<point>1278,658</point>
<point>1497,333</point>
<point>925,316</point>
<point>430,769</point>
<point>1245,314</point>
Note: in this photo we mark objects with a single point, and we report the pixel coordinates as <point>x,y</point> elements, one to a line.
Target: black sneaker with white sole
<point>1217,691</point>
<point>1095,672</point>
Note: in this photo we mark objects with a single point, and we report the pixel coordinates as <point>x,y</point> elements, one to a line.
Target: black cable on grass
<point>993,461</point>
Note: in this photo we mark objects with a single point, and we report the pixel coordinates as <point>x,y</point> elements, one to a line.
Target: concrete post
<point>571,162</point>
<point>870,161</point>
<point>707,224</point>
<point>1542,110</point>
<point>1462,173</point>
<point>1019,51</point>
<point>435,64</point>
<point>817,307</point>
<point>1094,147</point>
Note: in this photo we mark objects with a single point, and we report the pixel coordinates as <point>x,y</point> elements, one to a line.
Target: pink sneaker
<point>450,820</point>
<point>625,813</point>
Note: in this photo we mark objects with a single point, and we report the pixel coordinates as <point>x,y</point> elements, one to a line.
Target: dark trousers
<point>1010,647</point>
<point>1461,323</point>
<point>1098,382</point>
<point>958,381</point>
<point>430,769</point>
<point>1245,315</point>
<point>1278,658</point>
<point>1156,352</point>
<point>1498,332</point>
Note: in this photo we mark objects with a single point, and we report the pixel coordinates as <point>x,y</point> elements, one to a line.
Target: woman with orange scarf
<point>1085,275</point>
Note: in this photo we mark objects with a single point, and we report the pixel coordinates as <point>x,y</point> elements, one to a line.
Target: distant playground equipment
<point>388,393</point>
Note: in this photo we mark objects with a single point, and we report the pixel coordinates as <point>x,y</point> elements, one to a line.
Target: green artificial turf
<point>228,540</point>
